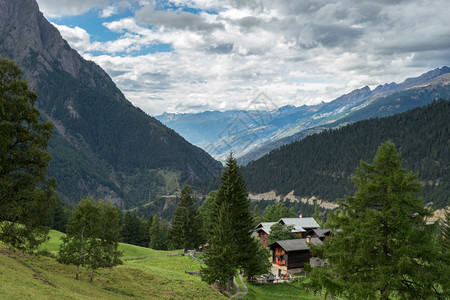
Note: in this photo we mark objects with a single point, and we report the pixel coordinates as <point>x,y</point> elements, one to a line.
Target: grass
<point>279,291</point>
<point>145,274</point>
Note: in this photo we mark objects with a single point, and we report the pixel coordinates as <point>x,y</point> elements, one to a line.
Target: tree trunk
<point>78,271</point>
<point>81,253</point>
<point>92,276</point>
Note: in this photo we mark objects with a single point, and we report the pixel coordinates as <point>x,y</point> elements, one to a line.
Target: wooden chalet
<point>290,256</point>
<point>301,225</point>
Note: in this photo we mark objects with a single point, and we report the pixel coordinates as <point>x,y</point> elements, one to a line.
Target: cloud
<point>175,19</point>
<point>108,11</point>
<point>59,8</point>
<point>224,51</point>
<point>76,36</point>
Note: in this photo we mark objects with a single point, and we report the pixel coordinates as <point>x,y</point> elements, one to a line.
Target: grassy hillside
<point>279,291</point>
<point>145,274</point>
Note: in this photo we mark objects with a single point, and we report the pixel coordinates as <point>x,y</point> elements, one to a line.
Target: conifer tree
<point>25,193</point>
<point>384,247</point>
<point>206,211</point>
<point>156,235</point>
<point>144,232</point>
<point>186,224</point>
<point>130,229</point>
<point>232,246</point>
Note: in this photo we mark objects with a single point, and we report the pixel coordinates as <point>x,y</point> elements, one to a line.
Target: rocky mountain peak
<point>28,38</point>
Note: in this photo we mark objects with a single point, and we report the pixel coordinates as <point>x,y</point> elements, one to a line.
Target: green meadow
<point>145,274</point>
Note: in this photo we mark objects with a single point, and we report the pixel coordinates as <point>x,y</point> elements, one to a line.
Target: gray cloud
<point>175,19</point>
<point>298,52</point>
<point>336,35</point>
<point>221,48</point>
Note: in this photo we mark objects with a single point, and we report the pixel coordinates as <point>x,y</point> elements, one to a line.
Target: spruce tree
<point>186,223</point>
<point>206,211</point>
<point>384,248</point>
<point>130,229</point>
<point>156,235</point>
<point>231,229</point>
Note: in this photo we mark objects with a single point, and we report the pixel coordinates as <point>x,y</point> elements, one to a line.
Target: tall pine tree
<point>232,247</point>
<point>186,223</point>
<point>384,248</point>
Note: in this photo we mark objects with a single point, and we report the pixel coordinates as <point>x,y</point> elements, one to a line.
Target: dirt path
<point>239,294</point>
<point>238,289</point>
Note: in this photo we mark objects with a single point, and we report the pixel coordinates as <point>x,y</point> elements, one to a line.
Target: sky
<point>189,56</point>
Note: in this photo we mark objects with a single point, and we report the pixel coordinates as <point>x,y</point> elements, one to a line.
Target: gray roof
<point>300,224</point>
<point>321,232</point>
<point>265,226</point>
<point>296,244</point>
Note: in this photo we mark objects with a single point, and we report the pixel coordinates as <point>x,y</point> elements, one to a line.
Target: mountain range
<point>251,134</point>
<point>102,145</point>
<point>321,165</point>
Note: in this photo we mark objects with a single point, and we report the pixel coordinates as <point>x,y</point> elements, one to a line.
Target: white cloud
<point>76,36</point>
<point>296,51</point>
<point>108,11</point>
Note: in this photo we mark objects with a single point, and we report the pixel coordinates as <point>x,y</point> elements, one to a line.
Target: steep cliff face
<point>102,145</point>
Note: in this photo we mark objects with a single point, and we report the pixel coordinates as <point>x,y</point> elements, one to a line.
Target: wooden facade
<point>290,256</point>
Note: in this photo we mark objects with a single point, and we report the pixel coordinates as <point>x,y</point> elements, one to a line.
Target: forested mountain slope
<point>102,145</point>
<point>321,165</point>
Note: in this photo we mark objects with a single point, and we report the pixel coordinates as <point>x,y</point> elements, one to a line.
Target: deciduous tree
<point>280,232</point>
<point>92,236</point>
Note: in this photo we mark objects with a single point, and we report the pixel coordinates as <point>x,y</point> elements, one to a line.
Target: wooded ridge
<point>321,165</point>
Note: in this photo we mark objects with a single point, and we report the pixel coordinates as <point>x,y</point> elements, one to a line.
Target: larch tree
<point>186,230</point>
<point>443,257</point>
<point>232,246</point>
<point>25,193</point>
<point>383,247</point>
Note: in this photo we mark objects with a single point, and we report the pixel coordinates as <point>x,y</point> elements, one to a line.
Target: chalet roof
<point>265,226</point>
<point>296,244</point>
<point>300,224</point>
<point>321,232</point>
